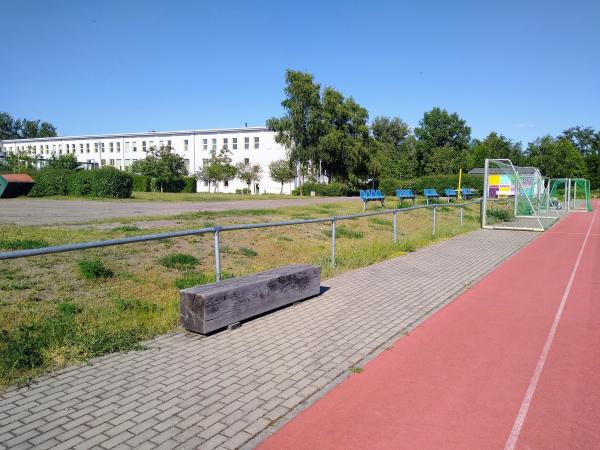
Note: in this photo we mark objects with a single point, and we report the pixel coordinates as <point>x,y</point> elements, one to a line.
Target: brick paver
<point>229,389</point>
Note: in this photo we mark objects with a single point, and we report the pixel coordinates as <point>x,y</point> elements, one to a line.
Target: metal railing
<point>217,230</point>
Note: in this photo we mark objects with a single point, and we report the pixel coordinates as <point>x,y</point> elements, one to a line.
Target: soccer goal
<point>572,194</point>
<point>516,198</point>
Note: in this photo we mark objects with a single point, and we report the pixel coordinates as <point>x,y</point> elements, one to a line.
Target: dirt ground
<point>31,211</point>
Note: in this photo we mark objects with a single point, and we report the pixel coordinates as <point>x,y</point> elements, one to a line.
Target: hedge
<point>439,182</point>
<point>180,184</point>
<point>141,183</point>
<point>324,189</point>
<point>107,182</point>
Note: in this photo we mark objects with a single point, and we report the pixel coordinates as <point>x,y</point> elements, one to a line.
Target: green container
<point>14,184</point>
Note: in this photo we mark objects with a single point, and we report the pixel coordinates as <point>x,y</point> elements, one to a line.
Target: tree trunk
<point>281,192</point>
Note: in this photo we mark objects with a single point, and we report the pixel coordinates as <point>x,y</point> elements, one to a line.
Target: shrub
<point>343,232</point>
<point>106,182</point>
<point>244,191</point>
<point>135,304</point>
<point>499,214</point>
<point>50,182</point>
<point>92,269</point>
<point>178,261</point>
<point>126,228</point>
<point>190,185</point>
<point>324,189</point>
<point>141,183</point>
<point>388,186</point>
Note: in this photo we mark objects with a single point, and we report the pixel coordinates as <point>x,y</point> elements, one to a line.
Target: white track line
<point>520,420</point>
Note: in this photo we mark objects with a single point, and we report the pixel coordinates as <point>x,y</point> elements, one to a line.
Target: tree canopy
<point>161,165</point>
<point>11,128</point>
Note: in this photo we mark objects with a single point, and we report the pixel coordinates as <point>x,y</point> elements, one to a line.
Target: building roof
<point>501,170</point>
<point>143,134</point>
<point>17,177</point>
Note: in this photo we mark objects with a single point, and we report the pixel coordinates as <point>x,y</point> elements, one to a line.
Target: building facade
<point>253,145</point>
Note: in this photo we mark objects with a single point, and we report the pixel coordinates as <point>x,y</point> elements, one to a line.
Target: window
<point>80,148</point>
<point>127,147</point>
<point>205,162</point>
<point>144,146</point>
<point>168,143</point>
<point>226,183</point>
<point>187,164</point>
<point>225,143</point>
<point>246,143</point>
<point>161,144</point>
<point>103,162</point>
<point>87,148</point>
<point>111,162</point>
<point>134,145</point>
<point>53,148</point>
<point>246,161</point>
<point>118,147</point>
<point>111,148</point>
<point>95,147</point>
<point>151,144</point>
<point>256,142</point>
<point>214,144</point>
<point>204,144</point>
<point>234,143</point>
<point>205,183</point>
<point>185,145</point>
<point>101,147</point>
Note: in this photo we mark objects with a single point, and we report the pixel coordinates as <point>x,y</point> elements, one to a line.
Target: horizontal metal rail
<point>218,229</point>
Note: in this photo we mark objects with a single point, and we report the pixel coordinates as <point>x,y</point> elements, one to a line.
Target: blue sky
<point>523,69</point>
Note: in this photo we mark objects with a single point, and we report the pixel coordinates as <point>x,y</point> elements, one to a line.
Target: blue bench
<point>467,193</point>
<point>430,193</point>
<point>450,193</point>
<point>401,194</point>
<point>371,195</point>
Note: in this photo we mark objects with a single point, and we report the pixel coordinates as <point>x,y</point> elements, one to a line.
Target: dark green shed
<point>15,184</point>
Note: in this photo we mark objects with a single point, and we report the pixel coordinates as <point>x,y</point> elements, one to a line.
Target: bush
<point>438,182</point>
<point>190,184</point>
<point>497,214</point>
<point>92,269</point>
<point>324,189</point>
<point>22,244</point>
<point>106,182</point>
<point>141,183</point>
<point>244,191</point>
<point>50,182</point>
<point>178,261</point>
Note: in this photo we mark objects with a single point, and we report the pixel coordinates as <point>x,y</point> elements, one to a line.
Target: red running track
<point>461,379</point>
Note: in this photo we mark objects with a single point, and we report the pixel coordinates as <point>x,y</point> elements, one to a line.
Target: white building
<point>254,145</point>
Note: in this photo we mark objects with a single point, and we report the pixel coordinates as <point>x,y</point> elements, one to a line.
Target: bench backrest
<point>430,193</point>
<point>467,191</point>
<point>404,193</point>
<point>450,192</point>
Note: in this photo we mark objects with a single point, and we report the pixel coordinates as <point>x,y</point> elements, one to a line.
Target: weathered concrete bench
<point>213,306</point>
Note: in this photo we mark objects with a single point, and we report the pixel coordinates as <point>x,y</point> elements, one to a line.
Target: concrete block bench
<point>213,306</point>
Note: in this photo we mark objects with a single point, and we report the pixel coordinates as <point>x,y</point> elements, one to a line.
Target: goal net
<point>572,194</point>
<point>517,198</point>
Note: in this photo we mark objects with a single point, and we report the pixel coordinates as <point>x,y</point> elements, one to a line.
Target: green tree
<point>20,161</point>
<point>161,165</point>
<point>299,129</point>
<point>282,172</point>
<point>392,155</point>
<point>11,128</point>
<point>440,130</point>
<point>219,169</point>
<point>249,173</point>
<point>344,146</point>
<point>556,157</point>
<point>64,162</point>
<point>494,146</point>
<point>587,142</point>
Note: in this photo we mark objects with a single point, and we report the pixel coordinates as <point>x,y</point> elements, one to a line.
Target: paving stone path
<point>230,389</point>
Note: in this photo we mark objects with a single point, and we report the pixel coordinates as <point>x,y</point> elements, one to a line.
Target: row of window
<point>99,147</point>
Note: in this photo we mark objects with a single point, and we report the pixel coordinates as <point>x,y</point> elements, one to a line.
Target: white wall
<point>118,150</point>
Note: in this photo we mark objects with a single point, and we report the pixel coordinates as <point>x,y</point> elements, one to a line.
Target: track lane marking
<point>521,416</point>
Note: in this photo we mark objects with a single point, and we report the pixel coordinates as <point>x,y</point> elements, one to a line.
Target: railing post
<point>217,256</point>
<point>434,220</point>
<point>333,241</point>
<point>462,212</point>
<point>481,213</point>
<point>395,226</point>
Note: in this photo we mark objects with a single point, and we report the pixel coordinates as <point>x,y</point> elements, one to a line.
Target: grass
<point>179,261</point>
<point>21,244</point>
<point>49,318</point>
<point>356,369</point>
<point>93,269</point>
<point>125,228</point>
